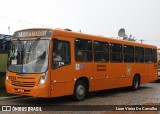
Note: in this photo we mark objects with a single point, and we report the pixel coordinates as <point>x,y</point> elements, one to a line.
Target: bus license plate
<point>21,90</point>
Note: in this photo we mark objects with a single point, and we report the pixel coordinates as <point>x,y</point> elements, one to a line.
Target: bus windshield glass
<point>29,56</point>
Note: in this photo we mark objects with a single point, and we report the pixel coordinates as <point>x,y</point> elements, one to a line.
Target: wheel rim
<point>80,92</point>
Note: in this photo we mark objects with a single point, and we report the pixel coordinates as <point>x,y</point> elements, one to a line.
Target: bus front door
<point>61,78</point>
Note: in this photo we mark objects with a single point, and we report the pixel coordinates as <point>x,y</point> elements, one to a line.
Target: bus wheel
<point>135,83</point>
<point>80,90</point>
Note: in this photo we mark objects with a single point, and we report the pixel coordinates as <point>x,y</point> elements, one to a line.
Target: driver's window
<point>61,53</point>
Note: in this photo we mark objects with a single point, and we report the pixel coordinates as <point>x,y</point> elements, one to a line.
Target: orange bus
<point>50,63</point>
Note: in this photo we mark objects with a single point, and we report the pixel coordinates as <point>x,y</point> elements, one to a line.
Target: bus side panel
<point>85,70</point>
<point>63,81</point>
<point>100,74</point>
<point>126,79</point>
<point>104,77</point>
<point>148,72</point>
<point>58,82</point>
<point>115,71</point>
<point>139,68</point>
<point>111,82</point>
<point>108,75</point>
<point>116,75</point>
<point>154,72</point>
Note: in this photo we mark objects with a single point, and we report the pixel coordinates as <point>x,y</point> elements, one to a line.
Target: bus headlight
<point>43,78</point>
<point>7,76</point>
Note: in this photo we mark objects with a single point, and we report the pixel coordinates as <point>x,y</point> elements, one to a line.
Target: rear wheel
<point>80,90</point>
<point>136,83</point>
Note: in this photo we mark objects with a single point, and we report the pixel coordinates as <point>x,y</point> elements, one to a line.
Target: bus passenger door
<point>61,67</point>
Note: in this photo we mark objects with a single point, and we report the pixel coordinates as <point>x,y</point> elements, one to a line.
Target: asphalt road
<point>148,94</point>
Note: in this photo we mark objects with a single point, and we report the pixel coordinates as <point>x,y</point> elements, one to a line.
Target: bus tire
<point>135,83</point>
<point>80,90</point>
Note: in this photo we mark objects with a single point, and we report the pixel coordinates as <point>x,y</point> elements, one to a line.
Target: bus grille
<point>23,84</point>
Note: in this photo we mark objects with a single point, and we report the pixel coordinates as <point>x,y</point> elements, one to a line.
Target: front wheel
<point>136,83</point>
<point>80,90</point>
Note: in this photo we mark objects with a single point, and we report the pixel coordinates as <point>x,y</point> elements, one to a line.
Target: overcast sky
<point>141,18</point>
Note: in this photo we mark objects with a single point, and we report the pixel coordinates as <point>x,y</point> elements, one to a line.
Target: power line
<point>22,21</point>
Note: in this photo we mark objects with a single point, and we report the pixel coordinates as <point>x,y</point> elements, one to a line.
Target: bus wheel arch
<point>81,88</point>
<point>136,82</point>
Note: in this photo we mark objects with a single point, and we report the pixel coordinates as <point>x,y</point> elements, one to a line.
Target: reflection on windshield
<point>29,56</point>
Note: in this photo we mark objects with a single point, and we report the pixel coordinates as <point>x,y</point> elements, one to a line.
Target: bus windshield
<point>29,56</point>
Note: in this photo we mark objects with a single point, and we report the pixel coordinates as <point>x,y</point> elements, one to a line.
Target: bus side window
<point>148,55</point>
<point>116,52</point>
<point>101,51</point>
<point>128,52</point>
<point>61,53</point>
<point>83,50</point>
<point>154,55</point>
<point>139,55</point>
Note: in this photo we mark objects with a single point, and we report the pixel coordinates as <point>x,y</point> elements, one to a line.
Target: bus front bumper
<point>41,91</point>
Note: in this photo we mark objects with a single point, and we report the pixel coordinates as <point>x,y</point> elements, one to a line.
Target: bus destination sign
<point>32,33</point>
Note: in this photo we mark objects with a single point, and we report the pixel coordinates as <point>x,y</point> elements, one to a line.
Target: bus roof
<point>71,34</point>
<point>61,32</point>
